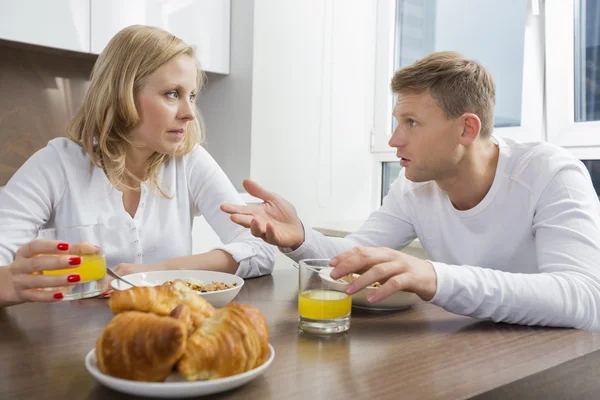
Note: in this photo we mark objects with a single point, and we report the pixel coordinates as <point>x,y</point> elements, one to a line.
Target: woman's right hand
<point>20,281</point>
<point>275,220</point>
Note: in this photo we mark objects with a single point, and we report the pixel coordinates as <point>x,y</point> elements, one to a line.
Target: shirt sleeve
<point>389,226</point>
<point>28,200</point>
<point>209,188</point>
<point>566,292</point>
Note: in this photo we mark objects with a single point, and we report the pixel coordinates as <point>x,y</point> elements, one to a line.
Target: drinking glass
<point>321,308</point>
<point>92,269</point>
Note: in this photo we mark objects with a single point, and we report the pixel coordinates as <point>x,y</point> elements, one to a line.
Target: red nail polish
<point>106,294</point>
<point>63,246</point>
<point>73,278</point>
<point>58,296</point>
<point>74,260</point>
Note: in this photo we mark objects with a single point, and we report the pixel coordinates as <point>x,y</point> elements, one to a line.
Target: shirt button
<point>139,254</point>
<point>133,229</point>
<point>136,241</point>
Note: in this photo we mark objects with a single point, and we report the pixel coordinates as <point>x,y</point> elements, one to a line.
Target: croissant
<point>257,319</point>
<point>233,340</point>
<point>141,346</point>
<point>161,300</point>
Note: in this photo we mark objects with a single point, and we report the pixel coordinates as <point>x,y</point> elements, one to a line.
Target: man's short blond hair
<point>457,84</point>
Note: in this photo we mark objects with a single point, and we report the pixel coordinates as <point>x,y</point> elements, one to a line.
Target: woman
<point>133,163</point>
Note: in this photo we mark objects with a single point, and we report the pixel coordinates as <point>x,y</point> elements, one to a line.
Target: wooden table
<point>422,352</point>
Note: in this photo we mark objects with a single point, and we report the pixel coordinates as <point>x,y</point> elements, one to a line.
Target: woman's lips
<point>177,132</point>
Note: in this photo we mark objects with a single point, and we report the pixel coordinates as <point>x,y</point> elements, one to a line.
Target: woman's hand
<point>22,280</point>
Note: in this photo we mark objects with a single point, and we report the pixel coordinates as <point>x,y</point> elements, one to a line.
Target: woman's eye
<point>411,122</point>
<point>173,94</point>
<point>193,97</point>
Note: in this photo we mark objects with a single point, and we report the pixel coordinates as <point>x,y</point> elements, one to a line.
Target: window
<point>573,73</point>
<point>506,40</point>
<point>549,47</point>
<point>389,174</point>
<point>594,167</point>
<point>587,61</point>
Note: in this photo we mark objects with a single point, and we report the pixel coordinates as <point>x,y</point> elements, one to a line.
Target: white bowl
<point>218,299</point>
<point>175,385</point>
<point>396,301</point>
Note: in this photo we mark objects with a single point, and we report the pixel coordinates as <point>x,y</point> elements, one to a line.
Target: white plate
<point>218,299</point>
<point>175,386</point>
<point>397,301</point>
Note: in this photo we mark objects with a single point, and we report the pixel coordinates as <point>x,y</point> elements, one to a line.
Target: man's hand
<point>275,221</point>
<point>395,271</point>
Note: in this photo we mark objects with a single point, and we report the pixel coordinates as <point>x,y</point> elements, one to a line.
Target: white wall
<point>314,154</point>
<point>226,102</point>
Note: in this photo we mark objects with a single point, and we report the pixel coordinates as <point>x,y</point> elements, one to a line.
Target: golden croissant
<point>161,300</point>
<point>141,346</point>
<point>233,340</point>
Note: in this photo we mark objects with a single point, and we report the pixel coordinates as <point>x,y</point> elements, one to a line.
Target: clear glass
<point>587,60</point>
<point>321,308</point>
<point>490,31</point>
<point>593,167</point>
<point>93,266</point>
<point>390,171</point>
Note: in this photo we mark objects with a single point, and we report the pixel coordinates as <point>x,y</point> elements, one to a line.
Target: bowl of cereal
<point>218,288</point>
<point>396,301</point>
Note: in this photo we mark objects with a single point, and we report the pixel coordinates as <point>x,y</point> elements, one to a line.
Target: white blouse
<point>59,187</point>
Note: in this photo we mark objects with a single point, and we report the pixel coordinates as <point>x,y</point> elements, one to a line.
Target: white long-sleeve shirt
<point>59,187</point>
<point>528,253</point>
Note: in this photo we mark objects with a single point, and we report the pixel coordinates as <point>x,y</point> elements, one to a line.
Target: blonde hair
<point>108,113</point>
<point>457,84</point>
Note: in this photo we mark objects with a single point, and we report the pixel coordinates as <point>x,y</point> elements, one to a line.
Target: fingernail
<point>58,296</point>
<point>74,260</point>
<point>371,298</point>
<point>97,247</point>
<point>106,294</point>
<point>350,289</point>
<point>63,246</point>
<point>73,278</point>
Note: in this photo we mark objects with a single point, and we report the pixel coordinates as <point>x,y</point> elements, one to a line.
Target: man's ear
<point>471,128</point>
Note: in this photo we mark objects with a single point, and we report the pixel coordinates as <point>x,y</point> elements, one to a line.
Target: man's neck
<point>475,176</point>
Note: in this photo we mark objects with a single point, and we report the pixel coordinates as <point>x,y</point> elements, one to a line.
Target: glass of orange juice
<point>92,269</point>
<point>321,308</point>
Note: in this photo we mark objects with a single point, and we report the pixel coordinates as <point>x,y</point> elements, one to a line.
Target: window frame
<point>532,96</point>
<point>562,129</point>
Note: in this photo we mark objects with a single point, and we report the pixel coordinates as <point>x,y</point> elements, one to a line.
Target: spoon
<point>117,276</point>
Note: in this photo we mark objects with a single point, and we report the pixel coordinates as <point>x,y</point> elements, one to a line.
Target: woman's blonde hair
<point>108,113</point>
<point>457,84</point>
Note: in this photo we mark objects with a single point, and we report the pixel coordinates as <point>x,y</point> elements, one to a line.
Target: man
<point>513,230</point>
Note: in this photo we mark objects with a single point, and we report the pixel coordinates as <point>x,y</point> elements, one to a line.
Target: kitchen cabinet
<point>202,23</point>
<point>62,24</point>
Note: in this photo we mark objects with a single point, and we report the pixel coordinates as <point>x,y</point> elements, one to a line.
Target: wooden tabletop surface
<point>421,352</point>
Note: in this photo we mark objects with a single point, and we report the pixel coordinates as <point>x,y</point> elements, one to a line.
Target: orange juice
<point>324,304</point>
<point>92,268</point>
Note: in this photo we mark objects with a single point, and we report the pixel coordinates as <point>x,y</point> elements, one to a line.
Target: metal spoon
<point>117,276</point>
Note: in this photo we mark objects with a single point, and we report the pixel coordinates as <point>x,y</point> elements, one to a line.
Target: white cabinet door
<point>63,24</point>
<point>202,23</point>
